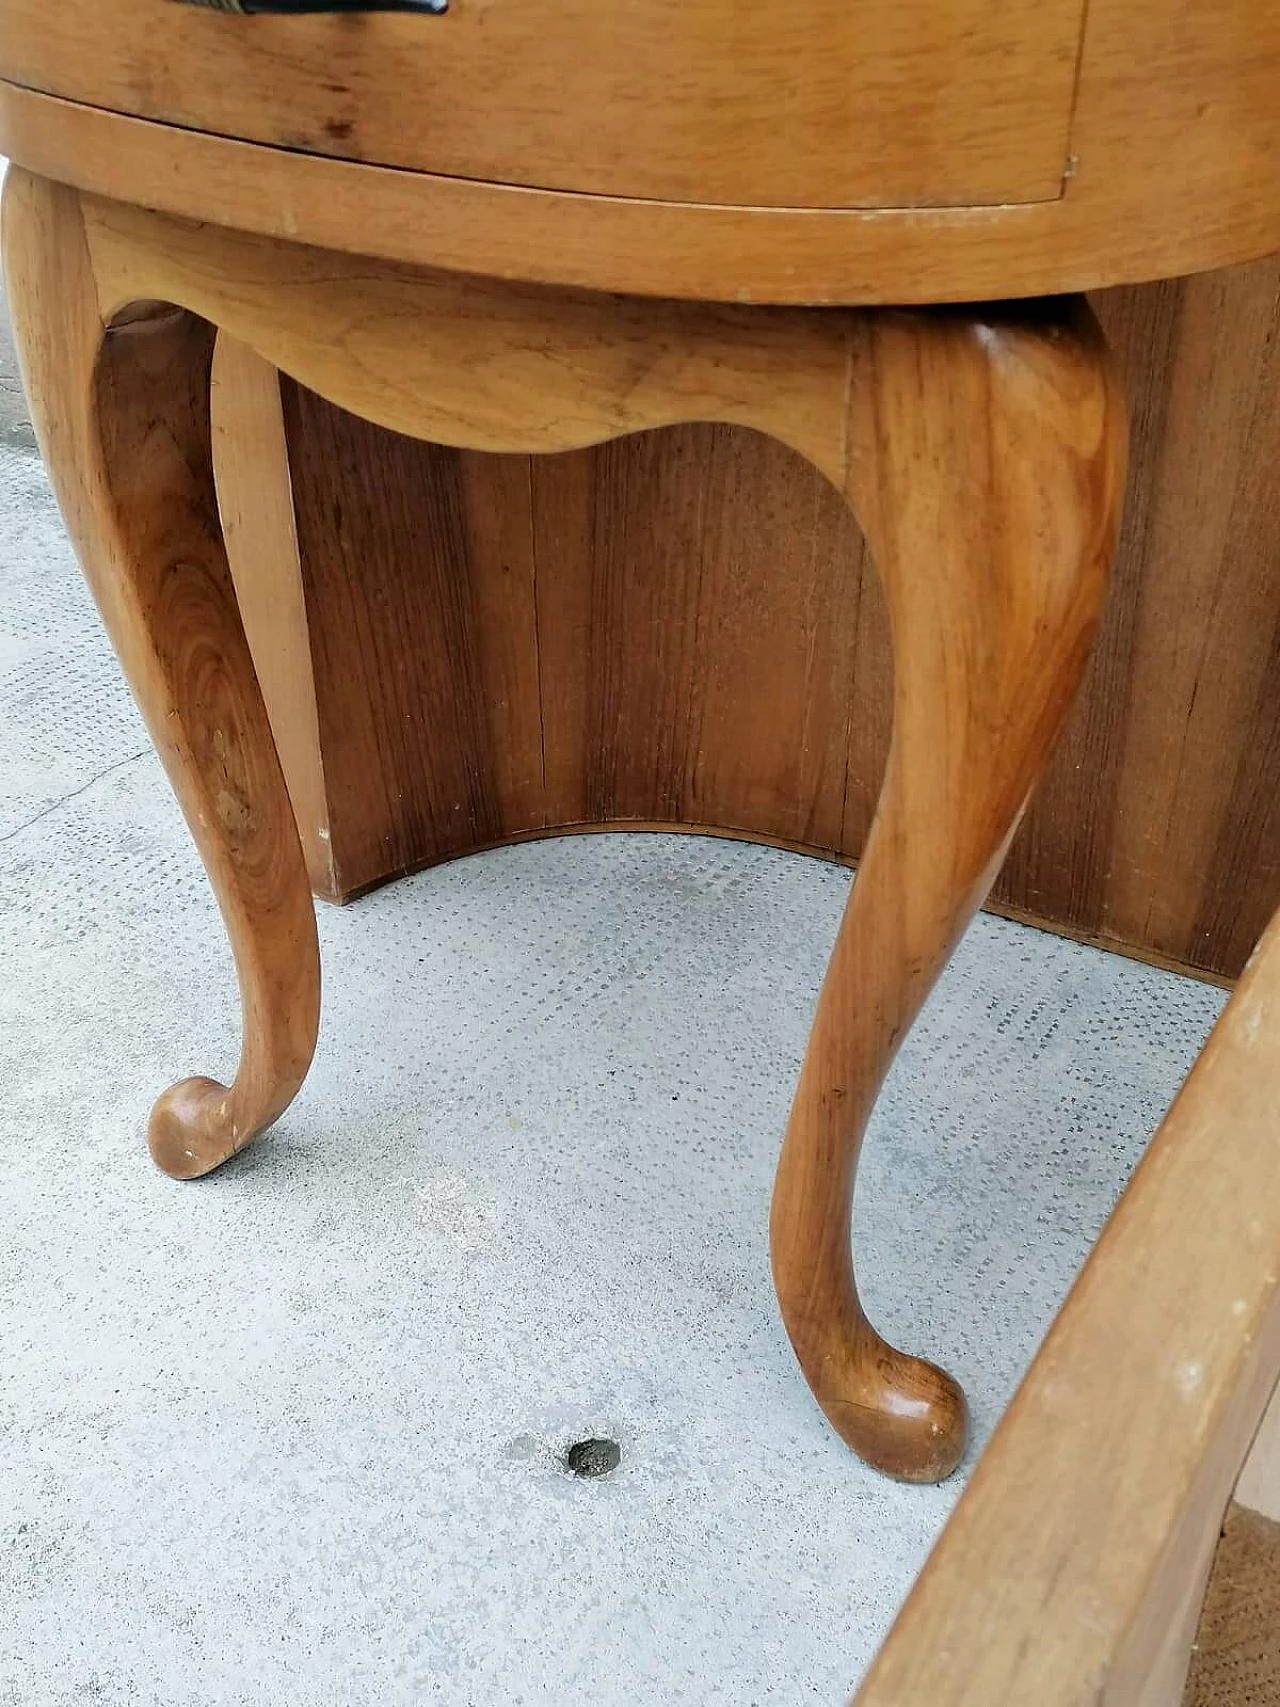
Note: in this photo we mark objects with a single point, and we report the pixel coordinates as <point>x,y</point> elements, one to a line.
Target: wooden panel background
<point>682,627</point>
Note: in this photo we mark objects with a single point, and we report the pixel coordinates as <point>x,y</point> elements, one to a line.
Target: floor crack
<point>55,805</point>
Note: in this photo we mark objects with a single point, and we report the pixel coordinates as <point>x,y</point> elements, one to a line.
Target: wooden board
<point>1074,1566</point>
<point>251,463</point>
<point>1156,828</point>
<point>1165,178</point>
<point>447,755</point>
<point>892,103</point>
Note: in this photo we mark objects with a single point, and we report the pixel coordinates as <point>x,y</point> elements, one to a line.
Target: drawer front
<point>815,103</point>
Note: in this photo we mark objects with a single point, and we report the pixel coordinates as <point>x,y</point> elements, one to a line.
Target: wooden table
<point>421,218</point>
<point>1154,831</point>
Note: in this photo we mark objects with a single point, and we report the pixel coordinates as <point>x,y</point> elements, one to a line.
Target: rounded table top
<point>899,150</point>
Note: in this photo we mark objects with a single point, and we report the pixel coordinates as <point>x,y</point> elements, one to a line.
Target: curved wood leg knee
<point>122,416</point>
<point>986,464</point>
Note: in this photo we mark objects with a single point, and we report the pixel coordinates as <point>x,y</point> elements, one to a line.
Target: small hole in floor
<point>593,1457</point>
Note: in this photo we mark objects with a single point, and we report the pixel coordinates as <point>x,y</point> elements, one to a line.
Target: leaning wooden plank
<point>1073,1569</point>
<point>1259,1486</point>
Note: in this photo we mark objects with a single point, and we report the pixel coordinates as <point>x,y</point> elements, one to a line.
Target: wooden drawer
<point>815,103</point>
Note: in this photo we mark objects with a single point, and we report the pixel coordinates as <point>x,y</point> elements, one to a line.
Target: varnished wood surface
<point>983,449</point>
<point>1154,829</point>
<point>1192,838</point>
<point>428,570</point>
<point>1193,188</point>
<point>481,363</point>
<point>449,750</point>
<point>251,471</point>
<point>122,418</point>
<point>986,464</point>
<point>1072,1571</point>
<point>895,104</point>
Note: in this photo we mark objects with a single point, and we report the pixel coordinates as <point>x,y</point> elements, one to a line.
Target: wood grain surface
<point>251,469</point>
<point>1073,1570</point>
<point>1155,828</point>
<point>986,464</point>
<point>1193,186</point>
<point>896,103</point>
<point>121,413</point>
<point>983,449</point>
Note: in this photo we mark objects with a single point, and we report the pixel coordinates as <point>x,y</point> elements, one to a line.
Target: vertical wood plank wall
<point>682,626</point>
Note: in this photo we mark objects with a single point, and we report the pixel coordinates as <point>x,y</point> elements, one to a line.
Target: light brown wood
<point>721,716</point>
<point>1195,824</point>
<point>1191,186</point>
<point>422,564</point>
<point>483,364</point>
<point>255,503</point>
<point>1072,1569</point>
<point>898,103</point>
<point>122,416</point>
<point>984,453</point>
<point>986,463</point>
<point>449,753</point>
<point>767,708</point>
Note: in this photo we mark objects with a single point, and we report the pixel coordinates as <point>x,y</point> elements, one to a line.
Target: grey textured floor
<point>290,1435</point>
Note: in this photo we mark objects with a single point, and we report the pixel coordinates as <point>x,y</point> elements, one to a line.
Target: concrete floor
<point>291,1435</point>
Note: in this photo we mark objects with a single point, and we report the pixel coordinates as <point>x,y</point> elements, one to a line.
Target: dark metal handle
<point>312,6</point>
